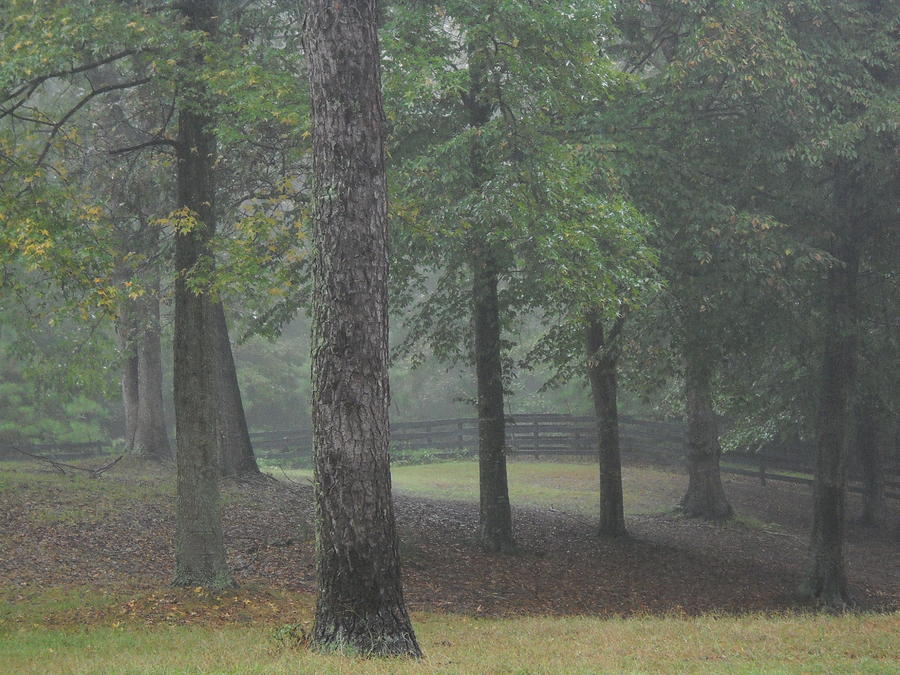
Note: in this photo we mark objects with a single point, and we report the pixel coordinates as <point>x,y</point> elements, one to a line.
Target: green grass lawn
<point>462,644</point>
<point>570,487</point>
<point>92,630</point>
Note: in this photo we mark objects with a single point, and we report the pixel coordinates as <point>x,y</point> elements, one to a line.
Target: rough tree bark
<point>826,578</point>
<point>602,364</point>
<point>235,450</point>
<point>359,604</point>
<point>199,547</point>
<point>705,496</point>
<point>496,518</point>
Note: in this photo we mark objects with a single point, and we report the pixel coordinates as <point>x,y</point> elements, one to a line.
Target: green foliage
<point>489,155</point>
<point>56,380</point>
<point>730,146</point>
<point>274,378</point>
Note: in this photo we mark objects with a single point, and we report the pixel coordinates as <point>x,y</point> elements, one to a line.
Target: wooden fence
<point>58,451</point>
<point>534,435</point>
<point>531,434</point>
<point>549,435</point>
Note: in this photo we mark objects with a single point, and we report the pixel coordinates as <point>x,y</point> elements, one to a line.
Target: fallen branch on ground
<point>61,466</point>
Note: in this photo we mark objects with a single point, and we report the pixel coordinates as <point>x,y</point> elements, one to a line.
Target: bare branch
<point>35,82</point>
<point>62,466</point>
<point>152,143</point>
<point>78,106</point>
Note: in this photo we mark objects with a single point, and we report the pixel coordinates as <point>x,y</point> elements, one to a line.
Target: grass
<point>78,498</point>
<point>770,470</point>
<point>462,644</point>
<point>570,487</point>
<point>118,629</point>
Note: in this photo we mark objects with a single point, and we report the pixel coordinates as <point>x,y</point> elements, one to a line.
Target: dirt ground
<point>668,565</point>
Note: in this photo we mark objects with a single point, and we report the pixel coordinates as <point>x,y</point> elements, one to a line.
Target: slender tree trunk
<point>869,439</point>
<point>496,518</point>
<point>151,438</point>
<point>129,379</point>
<point>236,456</point>
<point>602,365</point>
<point>495,522</point>
<point>199,547</point>
<point>359,604</point>
<point>826,577</point>
<point>705,496</point>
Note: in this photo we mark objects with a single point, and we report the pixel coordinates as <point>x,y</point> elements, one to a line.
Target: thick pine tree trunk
<point>826,577</point>
<point>199,547</point>
<point>869,439</point>
<point>359,604</point>
<point>496,518</point>
<point>236,456</point>
<point>602,364</point>
<point>705,496</point>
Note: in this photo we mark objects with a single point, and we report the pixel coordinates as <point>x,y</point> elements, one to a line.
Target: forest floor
<point>112,538</point>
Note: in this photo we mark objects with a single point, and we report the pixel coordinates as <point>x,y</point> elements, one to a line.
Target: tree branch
<point>61,466</point>
<point>78,106</point>
<point>35,82</point>
<point>153,142</point>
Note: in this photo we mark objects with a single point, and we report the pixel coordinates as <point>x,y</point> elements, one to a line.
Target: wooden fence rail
<point>548,435</point>
<point>532,434</point>
<point>535,435</point>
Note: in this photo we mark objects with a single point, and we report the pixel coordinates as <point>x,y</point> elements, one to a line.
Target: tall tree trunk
<point>199,547</point>
<point>602,365</point>
<point>359,604</point>
<point>151,438</point>
<point>869,439</point>
<point>125,334</point>
<point>826,577</point>
<point>496,519</point>
<point>236,456</point>
<point>705,496</point>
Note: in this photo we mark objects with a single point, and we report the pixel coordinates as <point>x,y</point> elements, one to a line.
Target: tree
<point>719,250</point>
<point>136,187</point>
<point>359,602</point>
<point>199,545</point>
<point>812,85</point>
<point>478,136</point>
<point>50,83</point>
<point>139,338</point>
<point>235,451</point>
<point>602,354</point>
<point>598,269</point>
